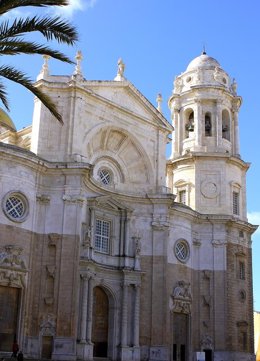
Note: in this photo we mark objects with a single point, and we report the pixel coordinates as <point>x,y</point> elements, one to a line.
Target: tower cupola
<point>204,107</point>
<point>205,170</point>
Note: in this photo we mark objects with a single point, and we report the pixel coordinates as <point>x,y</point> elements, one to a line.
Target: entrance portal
<point>9,303</point>
<point>208,355</point>
<point>100,322</point>
<point>180,337</point>
<point>47,342</point>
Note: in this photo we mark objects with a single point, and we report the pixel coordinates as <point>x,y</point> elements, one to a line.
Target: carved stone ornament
<point>177,85</point>
<point>218,242</point>
<point>206,343</point>
<point>12,266</point>
<point>43,198</point>
<point>73,198</point>
<point>48,325</point>
<point>10,256</point>
<point>53,238</point>
<point>160,223</point>
<point>181,298</point>
<point>209,189</point>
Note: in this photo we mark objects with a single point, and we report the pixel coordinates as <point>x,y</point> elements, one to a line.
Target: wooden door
<point>9,305</point>
<point>100,322</point>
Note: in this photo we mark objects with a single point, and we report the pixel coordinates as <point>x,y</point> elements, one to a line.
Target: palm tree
<point>13,42</point>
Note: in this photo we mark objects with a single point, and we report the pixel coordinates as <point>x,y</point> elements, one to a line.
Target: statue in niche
<point>87,238</point>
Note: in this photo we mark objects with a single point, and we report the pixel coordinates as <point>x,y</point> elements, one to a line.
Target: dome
<point>6,121</point>
<point>203,61</point>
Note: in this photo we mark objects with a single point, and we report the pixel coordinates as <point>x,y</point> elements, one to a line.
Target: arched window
<point>225,125</point>
<point>189,124</point>
<point>208,125</point>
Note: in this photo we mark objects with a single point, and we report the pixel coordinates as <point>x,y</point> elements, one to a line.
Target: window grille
<point>182,251</point>
<point>236,203</point>
<point>15,206</point>
<point>105,176</point>
<point>242,270</point>
<point>102,234</point>
<point>182,196</point>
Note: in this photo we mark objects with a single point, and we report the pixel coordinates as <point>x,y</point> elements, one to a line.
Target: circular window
<point>188,79</point>
<point>15,206</point>
<point>105,176</point>
<point>224,80</point>
<point>182,251</point>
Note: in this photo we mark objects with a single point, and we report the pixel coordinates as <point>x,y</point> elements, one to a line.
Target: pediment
<point>109,202</point>
<point>127,98</point>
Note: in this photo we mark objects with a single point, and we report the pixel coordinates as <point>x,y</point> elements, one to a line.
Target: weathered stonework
<point>108,259</point>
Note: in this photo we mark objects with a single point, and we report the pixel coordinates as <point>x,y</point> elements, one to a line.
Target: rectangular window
<point>236,203</point>
<point>242,270</point>
<point>182,196</point>
<point>102,234</point>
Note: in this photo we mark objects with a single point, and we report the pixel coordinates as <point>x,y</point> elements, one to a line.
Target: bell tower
<point>205,169</point>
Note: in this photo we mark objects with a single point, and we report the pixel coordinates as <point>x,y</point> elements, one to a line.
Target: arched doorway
<point>100,322</point>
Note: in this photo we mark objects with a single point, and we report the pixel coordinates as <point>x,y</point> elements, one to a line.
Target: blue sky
<point>157,40</point>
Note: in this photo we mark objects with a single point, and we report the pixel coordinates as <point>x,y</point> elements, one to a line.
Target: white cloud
<point>64,11</point>
<point>75,5</point>
<point>254,218</point>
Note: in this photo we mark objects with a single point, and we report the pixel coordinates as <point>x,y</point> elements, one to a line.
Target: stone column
<point>124,315</point>
<point>89,310</point>
<point>198,121</point>
<point>136,315</point>
<point>236,132</point>
<point>219,124</point>
<point>84,308</point>
<point>176,133</point>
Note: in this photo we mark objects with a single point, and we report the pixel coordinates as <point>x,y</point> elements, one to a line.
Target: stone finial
<point>45,68</point>
<point>234,86</point>
<point>120,70</point>
<point>78,58</point>
<point>77,75</point>
<point>159,102</point>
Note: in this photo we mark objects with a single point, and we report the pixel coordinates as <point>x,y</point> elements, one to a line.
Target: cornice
<point>30,159</point>
<point>193,156</point>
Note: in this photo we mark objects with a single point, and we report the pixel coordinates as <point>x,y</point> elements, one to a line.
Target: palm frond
<point>50,28</point>
<point>19,77</point>
<point>7,5</point>
<point>19,46</point>
<point>3,96</point>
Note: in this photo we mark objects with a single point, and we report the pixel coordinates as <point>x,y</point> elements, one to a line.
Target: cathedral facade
<point>108,249</point>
